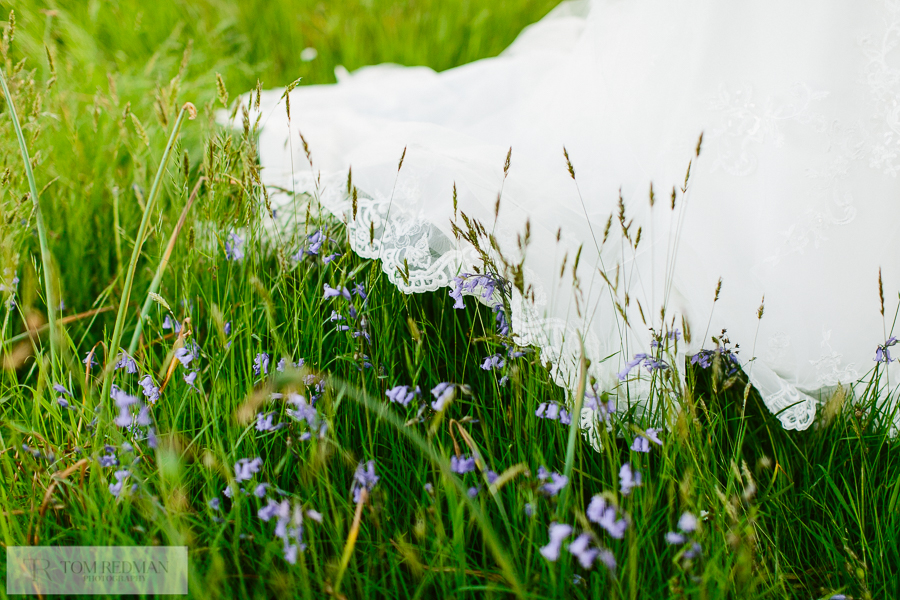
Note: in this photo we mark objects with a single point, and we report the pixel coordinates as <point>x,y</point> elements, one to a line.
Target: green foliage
<point>784,514</point>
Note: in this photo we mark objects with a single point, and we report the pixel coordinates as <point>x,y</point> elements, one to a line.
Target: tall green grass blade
<point>116,340</point>
<point>46,261</point>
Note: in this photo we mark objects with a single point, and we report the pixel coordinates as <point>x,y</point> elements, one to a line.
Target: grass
<point>784,514</point>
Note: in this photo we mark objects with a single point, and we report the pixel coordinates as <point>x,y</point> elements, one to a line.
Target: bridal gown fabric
<point>794,195</point>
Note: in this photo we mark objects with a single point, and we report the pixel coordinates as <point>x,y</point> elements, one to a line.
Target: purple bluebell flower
<point>246,468</point>
<point>500,319</point>
<point>402,395</point>
<point>461,465</point>
<point>529,509</point>
<point>143,417</point>
<point>363,479</point>
<point>61,390</point>
<point>443,393</point>
<point>555,485</point>
<point>227,328</point>
<point>215,503</point>
<point>282,364</point>
<point>234,249</point>
<point>265,422</point>
<point>268,511</point>
<point>63,402</point>
<point>127,363</point>
<point>687,523</point>
<point>314,242</point>
<point>184,356</point>
<point>675,538</point>
<point>628,479</point>
<point>491,476</point>
<point>89,360</point>
<point>473,491</point>
<point>558,532</point>
<point>883,352</point>
<point>109,460</point>
<point>314,515</point>
<point>331,257</point>
<point>261,364</point>
<point>642,442</point>
<point>116,488</point>
<point>170,323</point>
<point>151,392</point>
<point>693,552</point>
<point>360,290</point>
<point>600,512</point>
<point>504,380</point>
<point>331,292</point>
<point>190,378</point>
<point>608,559</point>
<point>631,364</point>
<point>495,361</point>
<point>260,490</point>
<point>581,549</point>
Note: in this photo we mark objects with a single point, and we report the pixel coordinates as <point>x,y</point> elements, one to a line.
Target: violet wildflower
<point>631,364</point>
<point>116,488</point>
<point>227,328</point>
<point>109,460</point>
<point>63,403</point>
<point>61,390</point>
<point>529,509</point>
<point>443,393</point>
<point>184,356</point>
<point>461,465</point>
<point>687,523</point>
<point>282,364</point>
<point>500,319</point>
<point>555,485</point>
<point>245,468</point>
<point>268,511</point>
<point>151,438</point>
<point>214,503</point>
<point>127,363</point>
<point>402,395</point>
<point>360,290</point>
<point>314,515</point>
<point>492,476</point>
<point>558,532</point>
<point>473,491</point>
<point>600,512</point>
<point>260,490</point>
<point>143,417</point>
<point>89,360</point>
<point>331,257</point>
<point>608,559</point>
<point>642,442</point>
<point>265,422</point>
<point>151,392</point>
<point>628,479</point>
<point>234,248</point>
<point>363,479</point>
<point>883,352</point>
<point>315,242</point>
<point>674,538</point>
<point>581,549</point>
<point>495,361</point>
<point>261,364</point>
<point>693,552</point>
<point>170,323</point>
<point>331,292</point>
<point>190,378</point>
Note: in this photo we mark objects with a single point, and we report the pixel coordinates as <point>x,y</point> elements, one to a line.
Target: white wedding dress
<point>794,195</point>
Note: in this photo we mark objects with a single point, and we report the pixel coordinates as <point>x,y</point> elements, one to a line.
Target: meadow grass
<point>781,514</point>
